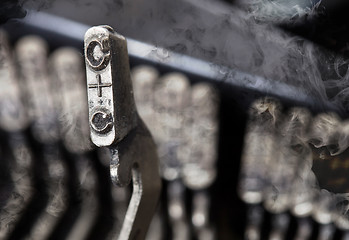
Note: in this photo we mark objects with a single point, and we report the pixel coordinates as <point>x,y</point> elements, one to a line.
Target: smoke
<point>242,36</point>
<point>11,9</point>
<point>277,11</point>
<point>247,39</point>
<point>323,128</point>
<point>280,168</point>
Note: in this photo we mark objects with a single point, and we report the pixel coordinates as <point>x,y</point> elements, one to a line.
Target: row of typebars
<point>295,163</point>
<point>56,185</point>
<point>63,192</point>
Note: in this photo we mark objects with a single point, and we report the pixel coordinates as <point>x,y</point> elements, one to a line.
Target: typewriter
<point>245,103</point>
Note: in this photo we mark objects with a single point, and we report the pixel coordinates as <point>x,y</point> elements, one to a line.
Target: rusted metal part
<point>114,123</point>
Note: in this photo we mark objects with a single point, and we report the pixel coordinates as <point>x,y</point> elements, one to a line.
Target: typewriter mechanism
<point>194,120</point>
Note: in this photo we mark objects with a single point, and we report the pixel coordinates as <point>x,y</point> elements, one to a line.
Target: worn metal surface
<point>112,111</point>
<point>114,122</point>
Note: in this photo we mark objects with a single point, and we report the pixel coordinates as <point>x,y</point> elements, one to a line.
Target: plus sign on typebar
<point>99,85</point>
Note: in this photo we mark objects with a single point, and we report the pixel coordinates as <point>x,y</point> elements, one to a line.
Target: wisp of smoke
<point>277,11</point>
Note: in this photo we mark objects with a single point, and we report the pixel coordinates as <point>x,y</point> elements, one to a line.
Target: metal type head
<point>290,152</point>
<point>67,72</point>
<point>12,112</point>
<point>200,152</point>
<point>144,80</point>
<point>171,101</point>
<point>259,146</point>
<point>114,122</point>
<point>31,53</point>
<point>112,112</point>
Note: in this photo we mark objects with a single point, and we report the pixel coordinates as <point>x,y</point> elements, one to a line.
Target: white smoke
<point>278,11</point>
<point>243,36</point>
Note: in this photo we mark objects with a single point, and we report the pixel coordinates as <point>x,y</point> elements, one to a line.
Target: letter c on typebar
<point>102,46</point>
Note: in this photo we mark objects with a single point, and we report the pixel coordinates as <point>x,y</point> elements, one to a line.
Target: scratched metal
<point>112,111</point>
<point>114,122</point>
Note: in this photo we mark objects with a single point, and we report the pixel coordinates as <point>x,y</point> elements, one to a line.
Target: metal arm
<point>114,123</point>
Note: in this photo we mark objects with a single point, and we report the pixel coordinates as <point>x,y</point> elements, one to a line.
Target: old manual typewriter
<point>190,120</point>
